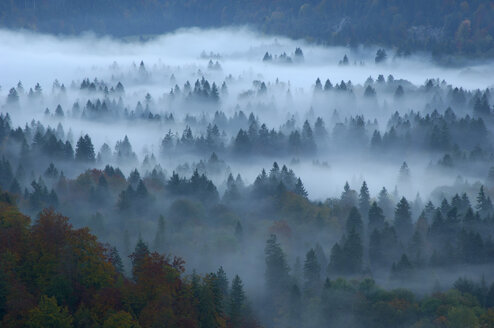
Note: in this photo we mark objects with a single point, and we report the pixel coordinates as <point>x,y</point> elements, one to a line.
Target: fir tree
<point>85,150</point>
<point>300,189</point>
<point>312,272</point>
<point>364,200</point>
<point>236,304</point>
<point>276,266</point>
<point>403,220</point>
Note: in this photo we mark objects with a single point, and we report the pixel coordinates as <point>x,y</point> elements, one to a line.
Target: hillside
<point>445,27</point>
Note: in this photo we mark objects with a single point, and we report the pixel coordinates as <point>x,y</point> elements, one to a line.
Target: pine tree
<point>318,86</point>
<point>141,191</point>
<point>403,220</point>
<point>236,304</point>
<point>376,217</point>
<point>403,269</point>
<point>320,129</point>
<point>375,248</point>
<point>300,189</point>
<point>312,272</point>
<point>141,251</point>
<point>336,259</point>
<point>85,150</point>
<point>376,140</point>
<point>6,174</point>
<point>484,203</point>
<point>215,96</point>
<point>307,135</point>
<point>206,306</point>
<point>276,266</point>
<point>481,105</point>
<point>381,56</point>
<point>328,85</point>
<point>13,97</point>
<point>116,260</point>
<point>364,200</point>
<point>353,252</point>
<point>369,92</point>
<point>222,283</point>
<point>348,196</point>
<point>354,221</point>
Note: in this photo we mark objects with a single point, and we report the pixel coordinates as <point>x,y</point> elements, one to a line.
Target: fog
<point>33,58</point>
<point>241,49</point>
<point>404,123</point>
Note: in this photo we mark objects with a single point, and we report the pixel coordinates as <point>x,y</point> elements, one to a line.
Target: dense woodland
<point>53,275</point>
<point>151,194</point>
<point>444,27</point>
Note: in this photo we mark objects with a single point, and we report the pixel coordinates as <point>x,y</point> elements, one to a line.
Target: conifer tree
<point>300,189</point>
<point>236,304</point>
<point>403,221</point>
<point>85,150</point>
<point>276,266</point>
<point>364,200</point>
<point>312,272</point>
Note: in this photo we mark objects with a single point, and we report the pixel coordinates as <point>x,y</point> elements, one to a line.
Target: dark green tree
<point>312,273</point>
<point>381,56</point>
<point>84,150</point>
<point>354,222</point>
<point>403,221</point>
<point>300,189</point>
<point>277,268</point>
<point>141,251</point>
<point>236,304</point>
<point>376,218</point>
<point>364,200</point>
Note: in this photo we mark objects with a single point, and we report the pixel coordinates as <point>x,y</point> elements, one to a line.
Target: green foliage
<point>461,317</point>
<point>403,220</point>
<point>49,314</point>
<point>312,272</point>
<point>79,283</point>
<point>120,319</point>
<point>276,266</point>
<point>236,306</point>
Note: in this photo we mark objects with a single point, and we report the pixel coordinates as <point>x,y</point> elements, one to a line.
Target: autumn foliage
<point>52,275</point>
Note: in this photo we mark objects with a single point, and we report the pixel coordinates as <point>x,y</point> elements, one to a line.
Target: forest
<point>443,27</point>
<point>225,178</point>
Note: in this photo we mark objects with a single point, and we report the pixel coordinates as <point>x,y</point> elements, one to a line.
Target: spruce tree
<point>403,221</point>
<point>312,272</point>
<point>376,217</point>
<point>353,252</point>
<point>141,251</point>
<point>354,222</point>
<point>300,189</point>
<point>364,200</point>
<point>84,150</point>
<point>236,304</point>
<point>276,266</point>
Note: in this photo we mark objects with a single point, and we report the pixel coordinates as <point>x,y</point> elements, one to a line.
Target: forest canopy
<point>227,178</point>
<point>443,27</point>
